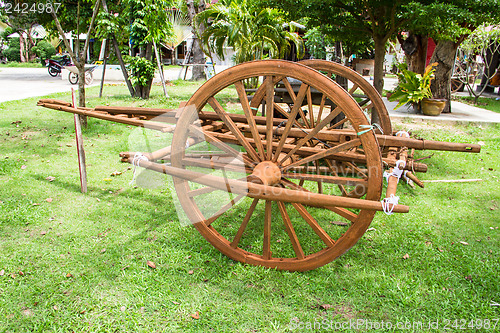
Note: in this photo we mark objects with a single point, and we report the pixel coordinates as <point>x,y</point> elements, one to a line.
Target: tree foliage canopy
<point>251,30</point>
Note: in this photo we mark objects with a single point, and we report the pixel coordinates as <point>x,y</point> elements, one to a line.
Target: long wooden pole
<point>268,192</point>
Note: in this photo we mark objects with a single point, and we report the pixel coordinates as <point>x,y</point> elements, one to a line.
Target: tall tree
<point>21,20</point>
<point>379,19</point>
<point>78,55</point>
<point>149,23</point>
<point>448,23</point>
<point>109,26</point>
<point>194,8</point>
<point>253,32</point>
<point>460,18</point>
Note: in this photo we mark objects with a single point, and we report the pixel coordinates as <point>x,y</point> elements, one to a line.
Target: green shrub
<point>13,54</point>
<point>141,70</point>
<point>43,50</point>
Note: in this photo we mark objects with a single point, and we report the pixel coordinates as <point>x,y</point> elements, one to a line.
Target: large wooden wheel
<point>258,201</point>
<point>366,95</point>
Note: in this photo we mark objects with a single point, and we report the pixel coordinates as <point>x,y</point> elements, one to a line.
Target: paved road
<point>19,83</point>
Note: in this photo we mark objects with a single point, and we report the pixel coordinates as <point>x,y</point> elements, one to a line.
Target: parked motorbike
<point>55,66</point>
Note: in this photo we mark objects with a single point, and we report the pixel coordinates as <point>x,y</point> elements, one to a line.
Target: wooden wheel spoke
<point>250,116</point>
<point>290,231</point>
<point>221,145</point>
<point>260,94</point>
<point>297,99</point>
<point>338,210</point>
<point>312,133</point>
<point>293,114</point>
<point>321,107</point>
<point>326,179</point>
<point>310,107</point>
<point>304,118</point>
<point>355,167</point>
<point>233,128</point>
<point>224,209</point>
<point>323,154</point>
<point>366,106</point>
<point>335,173</point>
<point>353,89</point>
<point>289,89</point>
<point>314,225</point>
<point>320,182</point>
<point>268,82</point>
<point>285,114</point>
<point>266,242</point>
<point>239,234</point>
<point>338,124</point>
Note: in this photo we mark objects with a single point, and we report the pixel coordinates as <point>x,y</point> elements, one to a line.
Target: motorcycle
<point>55,66</point>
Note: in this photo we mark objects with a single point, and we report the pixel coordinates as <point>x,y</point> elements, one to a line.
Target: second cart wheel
<point>456,85</point>
<point>368,98</point>
<point>89,78</point>
<point>270,213</point>
<point>73,78</point>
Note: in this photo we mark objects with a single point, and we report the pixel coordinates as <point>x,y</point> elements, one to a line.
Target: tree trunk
<point>198,54</point>
<point>31,56</point>
<point>378,70</point>
<point>143,91</point>
<point>198,60</point>
<point>444,55</point>
<point>415,48</point>
<point>81,89</point>
<point>22,47</point>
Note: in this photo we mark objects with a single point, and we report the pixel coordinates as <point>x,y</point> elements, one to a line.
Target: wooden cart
<point>73,74</point>
<point>297,154</point>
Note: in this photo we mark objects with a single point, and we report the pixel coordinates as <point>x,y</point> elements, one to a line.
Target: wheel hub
<point>266,173</point>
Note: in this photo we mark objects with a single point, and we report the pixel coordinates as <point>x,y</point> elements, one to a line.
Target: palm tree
<point>254,33</point>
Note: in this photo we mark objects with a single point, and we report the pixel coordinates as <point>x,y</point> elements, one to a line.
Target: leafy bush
<point>13,54</point>
<point>142,70</point>
<point>44,50</point>
<point>317,42</point>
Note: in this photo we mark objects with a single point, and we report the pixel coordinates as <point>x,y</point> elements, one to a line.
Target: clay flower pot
<point>432,106</point>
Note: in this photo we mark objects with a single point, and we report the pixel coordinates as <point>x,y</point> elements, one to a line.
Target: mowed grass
<point>79,262</point>
<point>488,103</point>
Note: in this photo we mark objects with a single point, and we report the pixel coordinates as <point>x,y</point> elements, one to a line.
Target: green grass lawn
<point>22,64</point>
<point>487,103</point>
<point>78,262</point>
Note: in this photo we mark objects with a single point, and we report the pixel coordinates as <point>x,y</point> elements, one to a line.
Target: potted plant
<point>415,90</point>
